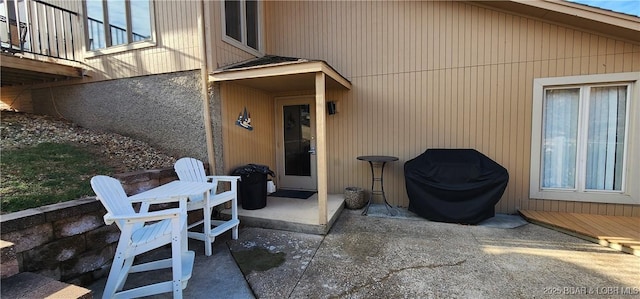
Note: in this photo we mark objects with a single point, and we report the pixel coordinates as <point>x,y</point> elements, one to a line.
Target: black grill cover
<point>454,185</point>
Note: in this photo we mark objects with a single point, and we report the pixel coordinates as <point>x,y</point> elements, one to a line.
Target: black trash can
<point>252,187</point>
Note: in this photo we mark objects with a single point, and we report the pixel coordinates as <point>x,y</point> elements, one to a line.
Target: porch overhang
<point>277,75</point>
<point>292,75</point>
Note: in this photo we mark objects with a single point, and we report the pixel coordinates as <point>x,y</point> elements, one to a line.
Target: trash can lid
<point>253,168</point>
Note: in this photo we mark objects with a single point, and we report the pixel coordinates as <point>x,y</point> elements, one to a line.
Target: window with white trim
<point>241,24</point>
<point>112,23</point>
<point>585,138</point>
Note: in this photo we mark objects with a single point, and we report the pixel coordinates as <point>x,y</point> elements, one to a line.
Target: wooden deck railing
<point>39,28</point>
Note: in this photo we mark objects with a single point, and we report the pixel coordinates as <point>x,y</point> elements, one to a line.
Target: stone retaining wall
<point>69,241</point>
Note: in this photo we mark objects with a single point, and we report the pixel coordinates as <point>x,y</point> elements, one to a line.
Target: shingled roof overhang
<point>280,74</point>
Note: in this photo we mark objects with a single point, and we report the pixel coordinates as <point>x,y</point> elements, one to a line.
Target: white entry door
<point>296,143</point>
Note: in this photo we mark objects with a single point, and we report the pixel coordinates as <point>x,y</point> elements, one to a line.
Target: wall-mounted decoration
<point>244,120</point>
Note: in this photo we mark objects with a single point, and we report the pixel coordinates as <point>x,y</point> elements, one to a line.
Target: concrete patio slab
<point>384,257</point>
<point>380,257</point>
<point>498,221</point>
<point>215,276</point>
<point>292,214</point>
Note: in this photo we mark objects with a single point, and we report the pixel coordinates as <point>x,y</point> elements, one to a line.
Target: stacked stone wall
<point>69,241</point>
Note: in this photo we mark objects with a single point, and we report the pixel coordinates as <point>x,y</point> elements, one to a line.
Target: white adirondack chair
<point>142,232</point>
<point>190,169</point>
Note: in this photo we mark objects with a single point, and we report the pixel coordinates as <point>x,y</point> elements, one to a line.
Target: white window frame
<point>631,186</point>
<point>243,30</point>
<point>151,42</point>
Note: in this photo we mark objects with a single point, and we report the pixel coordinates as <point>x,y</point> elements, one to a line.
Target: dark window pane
<point>252,24</point>
<point>232,19</point>
<point>297,140</point>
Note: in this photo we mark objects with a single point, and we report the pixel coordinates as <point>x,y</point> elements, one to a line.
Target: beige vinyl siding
<point>176,49</point>
<point>177,43</point>
<point>223,53</point>
<point>439,75</point>
<point>242,146</point>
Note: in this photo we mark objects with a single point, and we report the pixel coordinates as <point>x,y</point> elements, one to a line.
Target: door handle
<point>312,150</point>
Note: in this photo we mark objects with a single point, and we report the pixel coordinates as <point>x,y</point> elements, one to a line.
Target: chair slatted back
<point>112,196</point>
<point>190,169</point>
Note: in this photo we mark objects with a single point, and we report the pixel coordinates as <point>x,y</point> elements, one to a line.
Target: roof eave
<point>619,25</point>
<point>279,69</point>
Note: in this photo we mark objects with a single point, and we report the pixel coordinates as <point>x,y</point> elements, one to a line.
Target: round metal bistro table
<point>377,162</point>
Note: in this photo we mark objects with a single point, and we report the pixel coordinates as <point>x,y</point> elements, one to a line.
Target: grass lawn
<point>45,174</point>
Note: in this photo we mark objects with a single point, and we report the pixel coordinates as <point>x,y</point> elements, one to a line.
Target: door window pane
<point>606,138</point>
<point>297,140</point>
<point>560,134</point>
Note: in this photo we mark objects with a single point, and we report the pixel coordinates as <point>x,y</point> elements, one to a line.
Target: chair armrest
<point>160,200</point>
<point>232,180</point>
<point>144,208</point>
<point>146,217</point>
<point>223,178</point>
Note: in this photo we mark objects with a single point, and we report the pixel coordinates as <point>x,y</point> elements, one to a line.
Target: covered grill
<point>454,185</point>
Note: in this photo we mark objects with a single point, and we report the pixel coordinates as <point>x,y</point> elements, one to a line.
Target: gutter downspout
<point>204,77</point>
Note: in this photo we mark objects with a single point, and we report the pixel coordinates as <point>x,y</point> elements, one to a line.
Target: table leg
<point>373,181</point>
<point>184,247</point>
<point>374,192</point>
<point>384,196</point>
<point>234,216</point>
<point>207,225</point>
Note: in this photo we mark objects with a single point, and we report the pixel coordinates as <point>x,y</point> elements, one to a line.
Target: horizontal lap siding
<point>438,75</point>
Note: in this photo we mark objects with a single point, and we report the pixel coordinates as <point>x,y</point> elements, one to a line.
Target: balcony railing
<point>33,26</point>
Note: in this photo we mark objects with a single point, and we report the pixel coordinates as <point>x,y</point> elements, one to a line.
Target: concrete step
<point>8,260</point>
<point>31,285</point>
